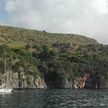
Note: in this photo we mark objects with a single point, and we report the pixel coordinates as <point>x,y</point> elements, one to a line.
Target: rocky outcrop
<point>96,81</point>
<point>11,80</point>
<point>79,82</point>
<point>93,84</point>
<point>68,83</point>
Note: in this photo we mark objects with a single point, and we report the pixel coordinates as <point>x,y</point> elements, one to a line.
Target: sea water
<point>55,98</point>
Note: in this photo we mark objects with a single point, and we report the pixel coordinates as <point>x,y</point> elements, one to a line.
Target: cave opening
<point>53,80</point>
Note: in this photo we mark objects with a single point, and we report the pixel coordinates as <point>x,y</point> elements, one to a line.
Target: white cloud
<point>10,6</point>
<point>87,17</point>
<point>101,6</point>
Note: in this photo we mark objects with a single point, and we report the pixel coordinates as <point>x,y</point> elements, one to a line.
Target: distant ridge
<point>22,36</point>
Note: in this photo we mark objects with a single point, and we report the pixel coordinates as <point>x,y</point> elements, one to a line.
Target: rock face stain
<point>80,81</point>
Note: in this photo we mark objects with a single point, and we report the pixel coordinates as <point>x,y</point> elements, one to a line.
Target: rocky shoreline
<point>11,80</point>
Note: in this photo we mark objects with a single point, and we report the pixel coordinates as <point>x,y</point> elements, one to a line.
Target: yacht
<point>5,90</point>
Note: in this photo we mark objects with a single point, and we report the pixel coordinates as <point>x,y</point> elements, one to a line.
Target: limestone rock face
<point>12,80</point>
<point>102,84</point>
<point>96,81</point>
<point>68,83</point>
<point>79,82</point>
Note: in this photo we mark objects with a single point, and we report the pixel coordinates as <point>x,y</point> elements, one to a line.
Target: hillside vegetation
<point>50,56</point>
<point>12,35</point>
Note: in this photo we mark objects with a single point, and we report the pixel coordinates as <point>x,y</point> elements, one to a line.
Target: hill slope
<point>22,36</point>
<point>37,59</point>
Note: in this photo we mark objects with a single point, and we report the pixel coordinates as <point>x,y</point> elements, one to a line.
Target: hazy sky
<point>86,17</point>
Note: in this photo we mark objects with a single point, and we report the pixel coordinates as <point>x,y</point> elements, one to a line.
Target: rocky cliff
<point>11,80</point>
<point>38,59</point>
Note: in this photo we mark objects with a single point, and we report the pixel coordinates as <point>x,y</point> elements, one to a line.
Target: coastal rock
<point>96,81</point>
<point>79,82</point>
<point>68,83</point>
<point>102,84</point>
<point>11,80</point>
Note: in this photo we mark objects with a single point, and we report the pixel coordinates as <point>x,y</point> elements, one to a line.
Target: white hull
<point>5,90</point>
<point>75,86</point>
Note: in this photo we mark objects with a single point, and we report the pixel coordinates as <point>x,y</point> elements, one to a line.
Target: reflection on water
<point>63,98</point>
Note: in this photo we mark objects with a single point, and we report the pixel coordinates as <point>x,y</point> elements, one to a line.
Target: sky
<point>84,17</point>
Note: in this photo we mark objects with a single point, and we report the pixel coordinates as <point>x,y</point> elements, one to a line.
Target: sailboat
<point>3,87</point>
<point>5,90</point>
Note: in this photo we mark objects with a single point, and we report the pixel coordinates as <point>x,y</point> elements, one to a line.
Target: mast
<point>5,70</point>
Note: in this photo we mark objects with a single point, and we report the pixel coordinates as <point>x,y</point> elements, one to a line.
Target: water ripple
<point>62,98</point>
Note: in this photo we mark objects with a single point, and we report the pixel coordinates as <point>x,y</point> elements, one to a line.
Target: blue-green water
<point>63,98</point>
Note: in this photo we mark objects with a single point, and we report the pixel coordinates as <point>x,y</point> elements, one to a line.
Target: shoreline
<point>58,89</point>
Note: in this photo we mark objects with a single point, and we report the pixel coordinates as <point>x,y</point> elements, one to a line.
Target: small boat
<point>5,90</point>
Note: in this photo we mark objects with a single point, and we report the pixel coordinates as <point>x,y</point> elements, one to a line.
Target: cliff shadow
<point>53,80</point>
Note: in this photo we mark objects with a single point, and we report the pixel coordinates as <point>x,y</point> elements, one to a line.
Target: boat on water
<point>3,89</point>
